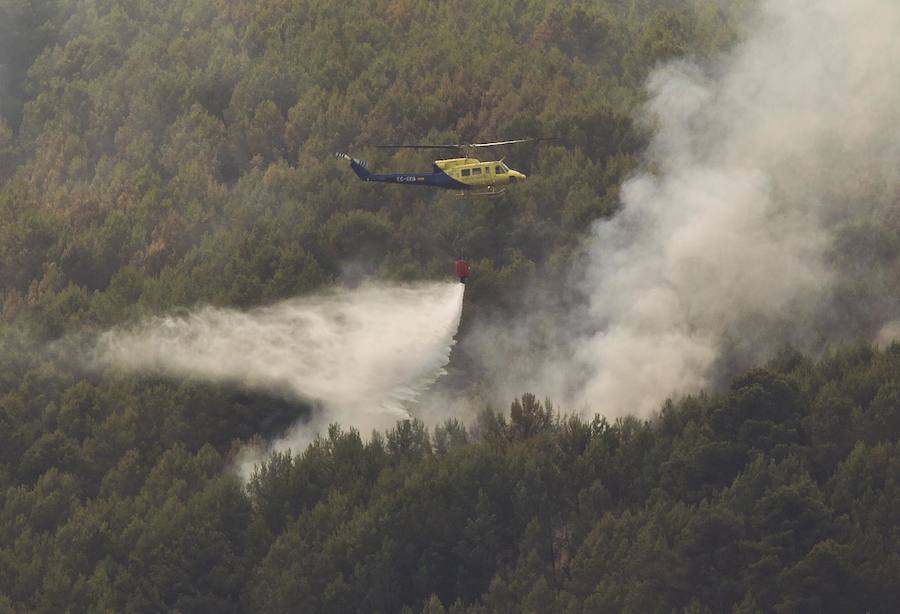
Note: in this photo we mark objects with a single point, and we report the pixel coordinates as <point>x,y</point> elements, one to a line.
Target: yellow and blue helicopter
<point>466,174</point>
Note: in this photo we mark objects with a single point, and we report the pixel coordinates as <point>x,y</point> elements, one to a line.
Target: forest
<point>156,155</point>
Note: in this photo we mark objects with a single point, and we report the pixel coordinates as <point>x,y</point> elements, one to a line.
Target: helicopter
<point>467,175</point>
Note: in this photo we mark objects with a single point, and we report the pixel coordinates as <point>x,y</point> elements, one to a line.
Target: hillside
<point>160,156</point>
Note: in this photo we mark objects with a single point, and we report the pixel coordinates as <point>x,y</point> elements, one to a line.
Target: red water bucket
<point>462,270</point>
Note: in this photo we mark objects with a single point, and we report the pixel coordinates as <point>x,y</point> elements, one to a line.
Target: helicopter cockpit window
<point>476,171</point>
<point>465,172</point>
<point>499,170</point>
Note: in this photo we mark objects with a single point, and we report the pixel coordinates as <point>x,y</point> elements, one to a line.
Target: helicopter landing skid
<point>489,192</point>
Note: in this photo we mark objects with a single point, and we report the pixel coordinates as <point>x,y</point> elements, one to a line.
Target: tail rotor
<point>360,167</point>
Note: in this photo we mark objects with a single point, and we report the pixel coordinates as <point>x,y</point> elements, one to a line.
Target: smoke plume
<point>767,215</point>
<point>362,355</point>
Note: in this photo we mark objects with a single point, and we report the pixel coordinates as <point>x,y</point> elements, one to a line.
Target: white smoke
<point>363,355</point>
<point>725,248</point>
<point>758,162</point>
<point>889,334</point>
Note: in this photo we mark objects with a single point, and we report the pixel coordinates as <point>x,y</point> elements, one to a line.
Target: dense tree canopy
<point>779,494</point>
<point>151,144</point>
<point>161,154</point>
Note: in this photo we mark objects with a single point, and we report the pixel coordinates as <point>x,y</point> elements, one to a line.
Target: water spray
<point>363,355</point>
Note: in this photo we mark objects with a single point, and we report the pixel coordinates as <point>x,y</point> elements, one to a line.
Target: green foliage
<point>190,144</point>
<point>113,500</point>
<point>155,155</point>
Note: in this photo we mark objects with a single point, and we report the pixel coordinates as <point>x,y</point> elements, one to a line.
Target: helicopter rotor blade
<point>417,146</point>
<point>464,145</point>
<point>494,143</point>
